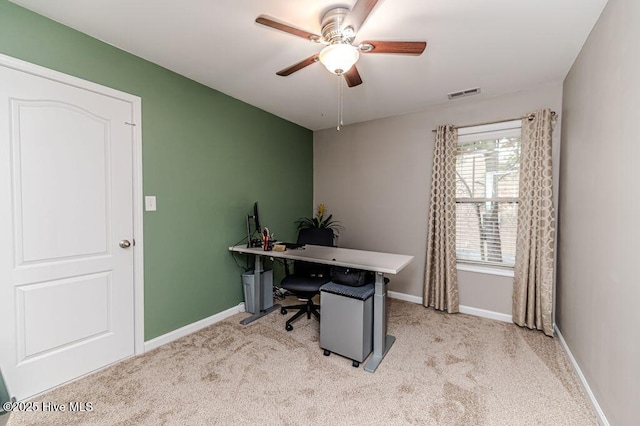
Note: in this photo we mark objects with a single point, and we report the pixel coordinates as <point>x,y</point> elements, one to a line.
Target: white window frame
<point>476,133</point>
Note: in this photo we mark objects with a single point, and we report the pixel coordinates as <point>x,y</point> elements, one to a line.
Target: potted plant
<point>320,221</point>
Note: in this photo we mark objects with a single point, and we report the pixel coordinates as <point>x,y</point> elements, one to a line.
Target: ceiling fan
<point>339,28</point>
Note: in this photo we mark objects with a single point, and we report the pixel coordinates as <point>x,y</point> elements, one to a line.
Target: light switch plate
<point>150,203</point>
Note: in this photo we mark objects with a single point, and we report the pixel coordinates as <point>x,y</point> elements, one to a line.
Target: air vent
<point>463,93</point>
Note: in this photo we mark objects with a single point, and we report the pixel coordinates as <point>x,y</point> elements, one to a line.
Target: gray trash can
<point>346,320</point>
<point>248,283</point>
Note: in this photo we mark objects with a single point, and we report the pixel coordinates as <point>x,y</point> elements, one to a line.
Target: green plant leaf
<point>320,222</point>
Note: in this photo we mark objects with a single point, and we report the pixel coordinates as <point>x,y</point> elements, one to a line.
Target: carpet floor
<point>442,370</point>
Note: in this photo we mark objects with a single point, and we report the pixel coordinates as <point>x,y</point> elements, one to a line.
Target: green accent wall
<point>4,394</point>
<point>206,156</point>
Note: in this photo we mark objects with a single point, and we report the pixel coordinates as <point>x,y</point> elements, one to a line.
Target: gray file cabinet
<point>346,320</point>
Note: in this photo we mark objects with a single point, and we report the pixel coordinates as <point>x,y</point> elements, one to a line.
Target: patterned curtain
<point>533,275</point>
<point>441,281</point>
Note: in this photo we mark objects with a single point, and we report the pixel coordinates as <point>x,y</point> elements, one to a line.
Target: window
<point>487,176</point>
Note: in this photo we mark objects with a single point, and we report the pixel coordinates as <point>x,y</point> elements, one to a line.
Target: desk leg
<point>258,294</point>
<point>381,340</point>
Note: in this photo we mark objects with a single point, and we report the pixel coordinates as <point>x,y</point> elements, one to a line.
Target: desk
<point>380,263</point>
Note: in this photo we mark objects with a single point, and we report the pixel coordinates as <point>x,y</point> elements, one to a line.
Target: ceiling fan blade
<point>352,77</point>
<point>399,47</point>
<point>297,67</point>
<point>360,13</point>
<point>273,23</point>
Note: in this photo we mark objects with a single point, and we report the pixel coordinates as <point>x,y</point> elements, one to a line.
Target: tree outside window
<point>487,176</point>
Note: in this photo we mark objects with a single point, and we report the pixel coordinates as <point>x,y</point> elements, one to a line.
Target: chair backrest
<point>317,237</point>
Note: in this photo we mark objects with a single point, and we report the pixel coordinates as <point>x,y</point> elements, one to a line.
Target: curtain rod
<point>530,117</point>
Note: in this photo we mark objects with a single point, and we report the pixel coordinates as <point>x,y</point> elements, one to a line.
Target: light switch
<point>150,203</point>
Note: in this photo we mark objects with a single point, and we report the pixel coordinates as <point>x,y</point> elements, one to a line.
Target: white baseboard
<point>191,328</point>
<point>405,297</point>
<point>499,316</point>
<point>602,419</point>
<point>463,309</point>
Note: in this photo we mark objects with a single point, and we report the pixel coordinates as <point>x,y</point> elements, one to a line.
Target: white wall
<point>375,177</point>
<point>599,228</point>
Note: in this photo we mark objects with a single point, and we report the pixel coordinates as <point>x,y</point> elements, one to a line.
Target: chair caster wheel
<point>355,364</point>
<point>327,353</point>
<point>283,311</point>
<point>288,327</point>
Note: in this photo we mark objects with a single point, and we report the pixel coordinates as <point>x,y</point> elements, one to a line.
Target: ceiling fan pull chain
<point>340,102</point>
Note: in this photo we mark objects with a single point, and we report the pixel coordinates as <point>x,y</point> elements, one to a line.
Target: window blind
<point>487,179</point>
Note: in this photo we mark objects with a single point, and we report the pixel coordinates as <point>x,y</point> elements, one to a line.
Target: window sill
<point>483,269</point>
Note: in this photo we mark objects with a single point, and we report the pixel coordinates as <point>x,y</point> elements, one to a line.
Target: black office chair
<point>307,278</point>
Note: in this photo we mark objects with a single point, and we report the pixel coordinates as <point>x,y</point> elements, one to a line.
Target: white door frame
<point>136,104</point>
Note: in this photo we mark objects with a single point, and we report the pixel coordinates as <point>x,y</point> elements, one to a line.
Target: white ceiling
<point>500,46</point>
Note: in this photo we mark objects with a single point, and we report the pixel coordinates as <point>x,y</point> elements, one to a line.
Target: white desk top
<point>368,260</point>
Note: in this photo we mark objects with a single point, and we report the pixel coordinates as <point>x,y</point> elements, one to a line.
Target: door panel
<point>48,312</point>
<point>70,133</point>
<point>66,200</point>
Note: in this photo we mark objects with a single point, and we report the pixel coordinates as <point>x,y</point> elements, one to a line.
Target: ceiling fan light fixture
<point>339,58</point>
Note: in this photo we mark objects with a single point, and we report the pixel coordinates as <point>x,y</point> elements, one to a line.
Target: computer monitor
<point>255,218</point>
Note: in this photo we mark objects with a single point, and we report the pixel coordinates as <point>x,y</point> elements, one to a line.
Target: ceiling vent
<point>463,93</point>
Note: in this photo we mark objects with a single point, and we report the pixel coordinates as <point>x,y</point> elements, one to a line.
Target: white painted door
<point>66,286</point>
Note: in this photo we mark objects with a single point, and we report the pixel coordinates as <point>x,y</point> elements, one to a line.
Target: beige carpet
<point>443,370</point>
